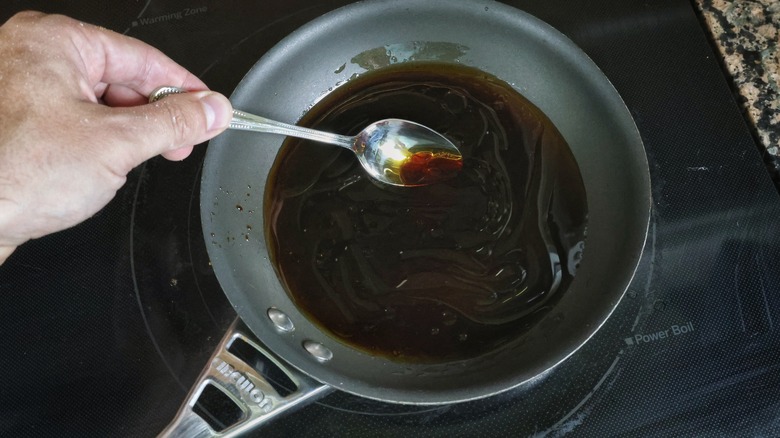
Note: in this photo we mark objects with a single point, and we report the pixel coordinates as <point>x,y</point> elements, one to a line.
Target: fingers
<point>113,58</point>
<point>5,252</point>
<point>178,154</point>
<point>104,57</point>
<point>170,126</point>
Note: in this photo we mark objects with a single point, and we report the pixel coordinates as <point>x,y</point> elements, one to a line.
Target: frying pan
<point>539,62</point>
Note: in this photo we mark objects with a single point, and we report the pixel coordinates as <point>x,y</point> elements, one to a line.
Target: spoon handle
<point>250,122</point>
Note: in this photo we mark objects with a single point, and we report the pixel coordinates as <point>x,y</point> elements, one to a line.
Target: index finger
<point>112,58</point>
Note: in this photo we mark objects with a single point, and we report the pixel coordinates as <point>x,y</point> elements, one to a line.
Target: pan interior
<point>545,67</point>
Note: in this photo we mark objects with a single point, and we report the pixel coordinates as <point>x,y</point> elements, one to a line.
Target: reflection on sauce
<point>433,273</point>
<point>427,167</point>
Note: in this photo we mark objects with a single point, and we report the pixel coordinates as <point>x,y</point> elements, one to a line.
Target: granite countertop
<point>747,35</point>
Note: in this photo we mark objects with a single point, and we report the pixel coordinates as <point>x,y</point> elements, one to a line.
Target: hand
<point>74,120</point>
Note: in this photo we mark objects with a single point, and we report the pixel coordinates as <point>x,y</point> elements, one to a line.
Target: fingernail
<point>217,109</point>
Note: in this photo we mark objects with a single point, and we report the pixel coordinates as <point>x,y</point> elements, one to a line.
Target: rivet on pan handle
<point>246,387</point>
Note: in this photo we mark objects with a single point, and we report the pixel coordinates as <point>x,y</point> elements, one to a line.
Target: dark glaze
<point>433,273</point>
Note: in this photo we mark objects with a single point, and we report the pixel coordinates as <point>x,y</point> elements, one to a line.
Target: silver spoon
<point>393,151</point>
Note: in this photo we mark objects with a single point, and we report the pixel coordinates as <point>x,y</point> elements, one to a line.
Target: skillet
<point>540,63</point>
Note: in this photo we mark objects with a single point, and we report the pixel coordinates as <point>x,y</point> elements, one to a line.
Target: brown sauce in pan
<point>435,273</point>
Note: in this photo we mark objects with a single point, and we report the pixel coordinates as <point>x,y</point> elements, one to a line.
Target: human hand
<point>74,120</point>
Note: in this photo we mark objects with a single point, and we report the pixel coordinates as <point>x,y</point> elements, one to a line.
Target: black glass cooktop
<point>104,327</point>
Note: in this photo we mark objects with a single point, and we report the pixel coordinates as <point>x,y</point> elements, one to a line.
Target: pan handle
<point>248,389</point>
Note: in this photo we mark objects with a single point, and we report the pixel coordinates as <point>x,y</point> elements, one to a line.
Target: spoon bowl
<point>393,151</point>
<point>404,153</point>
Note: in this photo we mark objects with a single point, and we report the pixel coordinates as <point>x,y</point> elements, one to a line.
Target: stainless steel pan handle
<point>252,393</point>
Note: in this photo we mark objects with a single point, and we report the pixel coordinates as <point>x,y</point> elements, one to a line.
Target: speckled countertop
<point>747,34</point>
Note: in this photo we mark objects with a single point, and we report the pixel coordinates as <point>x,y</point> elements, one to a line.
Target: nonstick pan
<point>540,63</point>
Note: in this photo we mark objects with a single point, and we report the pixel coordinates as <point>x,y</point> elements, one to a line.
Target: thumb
<point>173,125</point>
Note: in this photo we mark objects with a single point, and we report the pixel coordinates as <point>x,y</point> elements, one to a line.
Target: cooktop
<point>104,327</point>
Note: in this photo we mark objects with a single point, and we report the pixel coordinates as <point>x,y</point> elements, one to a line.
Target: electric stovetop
<point>104,327</point>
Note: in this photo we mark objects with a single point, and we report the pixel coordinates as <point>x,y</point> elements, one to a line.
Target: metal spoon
<point>393,151</point>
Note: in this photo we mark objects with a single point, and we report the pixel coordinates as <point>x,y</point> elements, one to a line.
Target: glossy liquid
<point>426,167</point>
<point>434,273</point>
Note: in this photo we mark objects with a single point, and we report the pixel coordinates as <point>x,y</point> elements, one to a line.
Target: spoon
<point>393,151</point>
